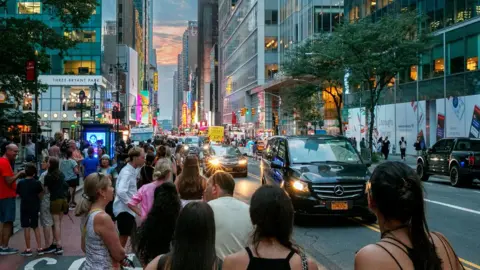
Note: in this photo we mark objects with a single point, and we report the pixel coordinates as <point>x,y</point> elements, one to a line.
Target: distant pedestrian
<point>46,219</point>
<point>70,170</point>
<point>191,184</point>
<point>58,188</point>
<point>8,186</point>
<point>403,148</point>
<point>30,190</point>
<point>145,195</point>
<point>386,147</point>
<point>146,172</point>
<point>90,163</point>
<point>418,146</point>
<point>125,188</point>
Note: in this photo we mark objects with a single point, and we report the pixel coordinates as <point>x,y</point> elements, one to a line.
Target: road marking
<point>254,176</point>
<point>470,263</point>
<point>454,206</point>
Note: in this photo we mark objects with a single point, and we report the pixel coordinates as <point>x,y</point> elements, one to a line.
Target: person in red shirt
<point>8,186</point>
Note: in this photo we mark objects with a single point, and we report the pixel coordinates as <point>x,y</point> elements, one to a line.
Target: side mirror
<point>368,164</point>
<point>276,164</point>
<point>245,155</point>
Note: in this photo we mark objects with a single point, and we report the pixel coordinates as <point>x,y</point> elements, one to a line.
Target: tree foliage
<point>376,51</point>
<point>303,100</point>
<point>29,39</point>
<point>318,63</point>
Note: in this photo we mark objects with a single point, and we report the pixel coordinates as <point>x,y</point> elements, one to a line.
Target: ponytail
<point>84,206</point>
<point>419,233</point>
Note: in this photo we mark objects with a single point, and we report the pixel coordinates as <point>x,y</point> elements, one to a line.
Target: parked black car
<point>226,158</point>
<point>324,175</point>
<point>458,158</point>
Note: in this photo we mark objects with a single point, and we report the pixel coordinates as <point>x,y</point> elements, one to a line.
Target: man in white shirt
<point>232,216</point>
<point>125,188</point>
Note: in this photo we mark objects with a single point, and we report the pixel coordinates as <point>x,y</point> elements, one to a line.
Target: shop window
<point>413,73</point>
<point>71,100</point>
<point>271,44</point>
<point>29,8</point>
<point>27,103</point>
<point>472,63</point>
<point>86,36</point>
<point>438,67</point>
<point>79,67</point>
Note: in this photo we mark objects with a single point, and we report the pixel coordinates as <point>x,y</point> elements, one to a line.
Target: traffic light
<point>242,111</point>
<point>253,111</point>
<point>158,112</point>
<point>247,111</point>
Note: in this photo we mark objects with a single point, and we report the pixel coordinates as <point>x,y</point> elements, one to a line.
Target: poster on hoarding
<point>215,134</point>
<point>411,124</point>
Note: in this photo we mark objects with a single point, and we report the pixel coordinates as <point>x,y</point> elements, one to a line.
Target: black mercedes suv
<point>324,175</point>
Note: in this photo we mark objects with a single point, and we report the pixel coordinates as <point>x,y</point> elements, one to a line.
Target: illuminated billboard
<point>144,102</point>
<point>184,114</point>
<point>155,81</point>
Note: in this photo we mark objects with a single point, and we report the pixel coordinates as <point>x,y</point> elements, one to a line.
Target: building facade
<point>248,58</point>
<point>189,72</point>
<point>439,97</point>
<point>79,70</point>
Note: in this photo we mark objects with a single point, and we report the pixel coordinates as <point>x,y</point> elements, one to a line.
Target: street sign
<point>30,71</point>
<point>345,114</point>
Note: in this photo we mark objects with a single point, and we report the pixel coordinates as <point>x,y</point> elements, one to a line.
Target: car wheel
<point>244,175</point>
<point>369,219</point>
<point>455,176</point>
<point>421,172</point>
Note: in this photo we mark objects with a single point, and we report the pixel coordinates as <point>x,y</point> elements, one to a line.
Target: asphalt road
<point>332,242</point>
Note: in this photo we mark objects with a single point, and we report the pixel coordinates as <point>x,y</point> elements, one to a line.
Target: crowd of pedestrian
<point>158,205</point>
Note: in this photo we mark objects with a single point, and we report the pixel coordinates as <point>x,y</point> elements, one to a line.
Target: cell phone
<point>440,126</point>
<point>458,106</point>
<point>475,127</point>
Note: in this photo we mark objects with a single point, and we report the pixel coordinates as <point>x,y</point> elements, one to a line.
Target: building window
<point>29,8</point>
<point>472,63</point>
<point>120,37</point>
<point>439,66</point>
<point>120,8</point>
<point>271,17</point>
<point>271,44</point>
<point>86,36</point>
<point>270,71</point>
<point>119,22</point>
<point>413,73</point>
<point>79,67</point>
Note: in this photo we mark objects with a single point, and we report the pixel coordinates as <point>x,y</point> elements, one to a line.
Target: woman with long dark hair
<point>154,236</point>
<point>146,172</point>
<point>395,195</point>
<point>272,247</point>
<point>193,241</point>
<point>190,184</point>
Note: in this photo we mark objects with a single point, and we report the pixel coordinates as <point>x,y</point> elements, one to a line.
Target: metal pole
<point>37,150</point>
<point>118,96</point>
<point>94,102</point>
<point>81,116</point>
<point>445,85</point>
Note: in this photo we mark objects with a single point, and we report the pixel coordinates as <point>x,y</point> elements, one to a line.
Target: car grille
<point>338,190</point>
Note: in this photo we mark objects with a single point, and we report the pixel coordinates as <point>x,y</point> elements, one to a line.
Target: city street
<point>332,242</point>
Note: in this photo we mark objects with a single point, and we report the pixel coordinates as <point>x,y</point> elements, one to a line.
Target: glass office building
<point>78,70</point>
<point>443,90</point>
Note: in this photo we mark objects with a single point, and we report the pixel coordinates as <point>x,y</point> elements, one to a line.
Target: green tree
<point>26,39</point>
<point>318,63</point>
<point>376,51</point>
<point>304,101</point>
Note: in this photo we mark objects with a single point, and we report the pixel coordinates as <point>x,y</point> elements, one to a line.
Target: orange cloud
<point>167,40</point>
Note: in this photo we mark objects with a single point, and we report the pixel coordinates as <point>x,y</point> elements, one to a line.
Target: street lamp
<point>94,90</point>
<point>81,96</point>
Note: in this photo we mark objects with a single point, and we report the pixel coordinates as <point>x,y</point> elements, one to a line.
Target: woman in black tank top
<point>271,246</point>
<point>395,195</point>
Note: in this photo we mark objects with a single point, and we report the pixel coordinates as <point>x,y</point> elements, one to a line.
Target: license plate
<point>339,205</point>
<point>228,169</point>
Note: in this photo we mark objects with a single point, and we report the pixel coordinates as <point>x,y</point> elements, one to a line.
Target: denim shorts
<point>7,210</point>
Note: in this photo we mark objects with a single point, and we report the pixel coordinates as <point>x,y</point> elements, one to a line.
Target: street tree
<point>303,101</point>
<point>375,51</point>
<point>318,63</point>
<point>25,39</point>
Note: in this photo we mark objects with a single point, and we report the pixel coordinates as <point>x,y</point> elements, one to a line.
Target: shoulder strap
<point>250,255</point>
<point>391,255</point>
<point>445,243</point>
<point>399,247</point>
<point>304,261</point>
<point>290,255</point>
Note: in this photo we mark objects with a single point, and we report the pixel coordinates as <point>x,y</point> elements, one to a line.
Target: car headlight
<point>214,162</point>
<point>205,147</point>
<point>242,161</point>
<point>185,147</point>
<point>300,186</point>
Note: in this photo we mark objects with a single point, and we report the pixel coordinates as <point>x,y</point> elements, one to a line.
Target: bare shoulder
<point>368,257</point>
<point>153,265</point>
<point>237,260</point>
<point>296,263</point>
<point>103,220</point>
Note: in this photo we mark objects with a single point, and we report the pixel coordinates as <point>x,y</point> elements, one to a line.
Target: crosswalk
<point>67,262</point>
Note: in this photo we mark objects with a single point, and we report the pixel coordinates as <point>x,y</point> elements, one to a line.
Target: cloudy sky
<point>170,21</point>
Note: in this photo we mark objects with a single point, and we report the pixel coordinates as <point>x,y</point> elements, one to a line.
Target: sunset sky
<point>170,21</point>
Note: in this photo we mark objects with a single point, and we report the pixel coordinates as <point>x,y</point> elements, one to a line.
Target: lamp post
<point>94,90</point>
<point>81,96</point>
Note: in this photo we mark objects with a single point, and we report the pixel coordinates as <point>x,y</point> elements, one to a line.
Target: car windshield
<point>191,140</point>
<point>222,151</point>
<point>322,150</point>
